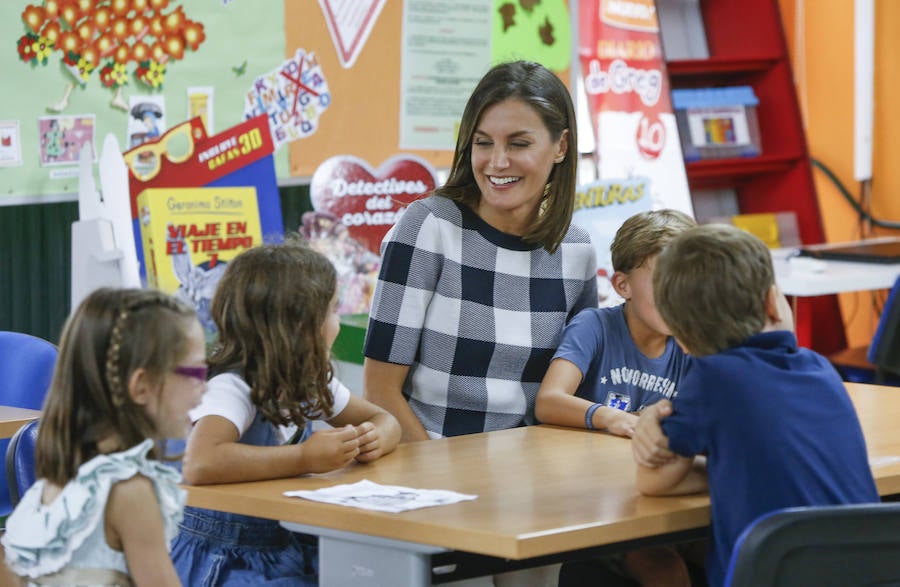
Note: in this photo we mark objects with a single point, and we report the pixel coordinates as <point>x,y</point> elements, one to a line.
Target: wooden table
<point>543,491</point>
<point>11,419</point>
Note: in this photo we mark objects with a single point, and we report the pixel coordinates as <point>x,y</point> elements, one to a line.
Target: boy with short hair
<point>774,420</point>
<point>613,362</point>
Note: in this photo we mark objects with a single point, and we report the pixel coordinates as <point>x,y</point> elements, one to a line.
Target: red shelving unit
<point>747,47</point>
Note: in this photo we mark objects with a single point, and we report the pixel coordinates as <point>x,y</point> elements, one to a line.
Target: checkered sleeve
<point>411,262</point>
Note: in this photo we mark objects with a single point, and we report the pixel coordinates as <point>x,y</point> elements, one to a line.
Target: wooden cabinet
<point>747,47</point>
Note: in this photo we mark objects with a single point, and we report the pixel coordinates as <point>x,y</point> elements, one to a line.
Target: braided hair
<point>112,334</point>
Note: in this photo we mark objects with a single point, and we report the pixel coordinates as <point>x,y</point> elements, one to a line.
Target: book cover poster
<point>190,234</point>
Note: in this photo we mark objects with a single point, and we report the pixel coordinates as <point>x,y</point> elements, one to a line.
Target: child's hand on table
<point>649,445</point>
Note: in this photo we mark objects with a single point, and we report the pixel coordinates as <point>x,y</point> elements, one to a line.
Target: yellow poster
<point>190,234</point>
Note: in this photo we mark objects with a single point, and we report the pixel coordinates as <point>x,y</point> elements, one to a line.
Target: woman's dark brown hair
<point>535,85</point>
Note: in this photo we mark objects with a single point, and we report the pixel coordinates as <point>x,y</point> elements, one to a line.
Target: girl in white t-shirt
<point>274,309</point>
<point>131,364</point>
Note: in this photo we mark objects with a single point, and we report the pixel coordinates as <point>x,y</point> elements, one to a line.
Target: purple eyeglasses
<point>194,372</point>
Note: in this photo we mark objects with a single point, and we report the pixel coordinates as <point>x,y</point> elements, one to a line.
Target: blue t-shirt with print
<point>614,371</point>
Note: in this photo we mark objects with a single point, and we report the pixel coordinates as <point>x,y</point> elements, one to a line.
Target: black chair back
<point>820,546</point>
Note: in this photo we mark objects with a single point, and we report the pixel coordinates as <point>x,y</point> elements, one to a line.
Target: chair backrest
<point>825,546</point>
<point>26,368</point>
<point>20,474</point>
<point>884,350</point>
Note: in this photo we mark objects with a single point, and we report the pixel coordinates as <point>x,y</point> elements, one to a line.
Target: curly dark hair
<point>269,308</point>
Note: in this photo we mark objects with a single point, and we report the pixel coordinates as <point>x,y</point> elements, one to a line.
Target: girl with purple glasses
<point>131,364</point>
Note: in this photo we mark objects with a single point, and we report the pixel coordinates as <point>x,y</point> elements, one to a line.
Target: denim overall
<point>219,549</point>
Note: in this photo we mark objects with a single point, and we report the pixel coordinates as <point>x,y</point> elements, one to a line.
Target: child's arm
<point>214,455</point>
<point>134,525</point>
<point>384,387</point>
<point>557,403</point>
<point>379,431</point>
<point>674,475</point>
<point>678,477</point>
<point>649,444</point>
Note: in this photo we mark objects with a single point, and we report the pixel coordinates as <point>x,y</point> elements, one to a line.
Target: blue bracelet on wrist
<point>589,416</point>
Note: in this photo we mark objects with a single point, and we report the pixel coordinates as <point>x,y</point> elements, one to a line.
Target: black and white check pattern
<point>478,330</point>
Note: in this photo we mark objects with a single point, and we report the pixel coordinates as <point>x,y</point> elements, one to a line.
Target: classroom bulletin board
<point>243,40</point>
<point>364,117</point>
<point>240,37</point>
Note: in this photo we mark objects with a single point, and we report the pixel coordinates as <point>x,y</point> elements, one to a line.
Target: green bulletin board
<point>243,38</point>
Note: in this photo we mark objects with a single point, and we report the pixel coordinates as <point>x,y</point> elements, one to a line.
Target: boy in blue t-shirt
<point>613,362</point>
<point>773,421</point>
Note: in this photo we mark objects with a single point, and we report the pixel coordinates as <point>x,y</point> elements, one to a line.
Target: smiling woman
<point>513,155</point>
<point>478,280</point>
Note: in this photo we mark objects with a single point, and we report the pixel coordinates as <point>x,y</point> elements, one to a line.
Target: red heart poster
<point>368,202</point>
<point>355,206</point>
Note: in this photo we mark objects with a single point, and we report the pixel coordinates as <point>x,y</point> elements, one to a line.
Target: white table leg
<point>358,560</point>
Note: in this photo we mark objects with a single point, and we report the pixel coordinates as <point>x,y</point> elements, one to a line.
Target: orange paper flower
<point>106,45</point>
<point>34,17</point>
<point>51,32</point>
<point>194,35</point>
<point>158,52</point>
<point>138,26</point>
<point>102,18</point>
<point>68,41</point>
<point>119,28</point>
<point>68,11</point>
<point>51,9</point>
<point>174,21</point>
<point>119,7</point>
<point>140,52</point>
<point>174,46</point>
<point>156,26</point>
<point>121,54</point>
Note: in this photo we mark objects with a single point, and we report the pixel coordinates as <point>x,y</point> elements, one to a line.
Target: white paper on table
<point>383,498</point>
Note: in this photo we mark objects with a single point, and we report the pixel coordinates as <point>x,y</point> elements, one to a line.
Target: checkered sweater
<point>475,313</point>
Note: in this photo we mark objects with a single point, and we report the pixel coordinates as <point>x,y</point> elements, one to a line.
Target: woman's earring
<point>547,189</point>
<point>559,159</point>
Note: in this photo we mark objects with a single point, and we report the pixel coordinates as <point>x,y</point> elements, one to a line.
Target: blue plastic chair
<point>826,546</point>
<point>26,369</point>
<point>880,361</point>
<point>20,472</point>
